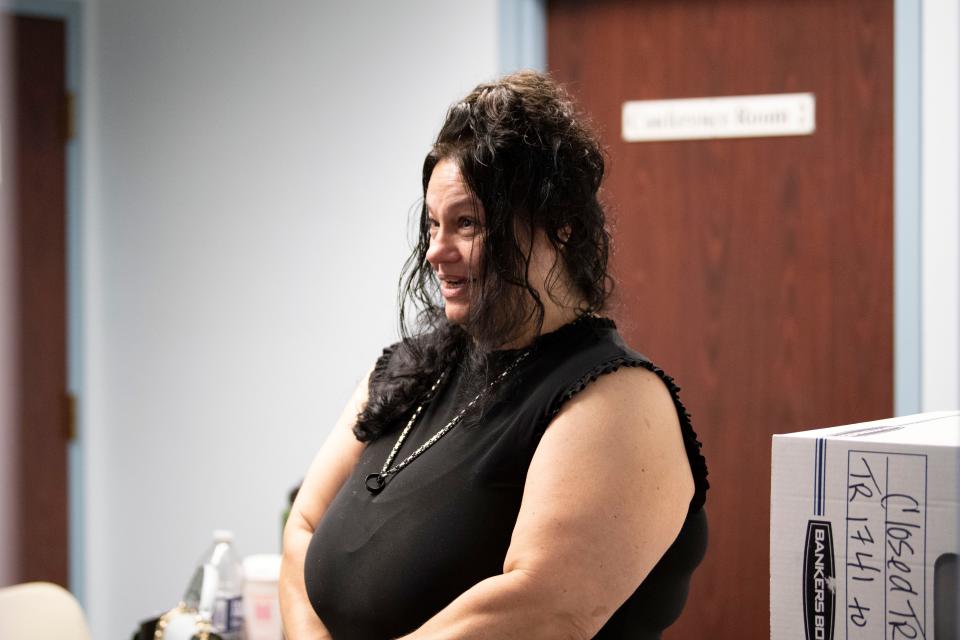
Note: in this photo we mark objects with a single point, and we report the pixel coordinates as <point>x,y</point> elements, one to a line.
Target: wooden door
<point>758,272</point>
<point>34,139</point>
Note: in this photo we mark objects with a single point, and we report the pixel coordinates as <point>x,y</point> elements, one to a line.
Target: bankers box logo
<point>819,571</point>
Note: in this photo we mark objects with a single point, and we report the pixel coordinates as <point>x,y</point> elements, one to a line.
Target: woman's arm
<point>328,471</point>
<point>606,495</point>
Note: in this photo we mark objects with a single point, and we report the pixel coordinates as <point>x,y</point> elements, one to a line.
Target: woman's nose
<point>442,249</point>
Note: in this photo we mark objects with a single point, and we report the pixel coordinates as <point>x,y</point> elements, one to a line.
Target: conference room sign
<point>771,115</point>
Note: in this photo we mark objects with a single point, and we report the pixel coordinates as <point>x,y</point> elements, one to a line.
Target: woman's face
<point>455,218</point>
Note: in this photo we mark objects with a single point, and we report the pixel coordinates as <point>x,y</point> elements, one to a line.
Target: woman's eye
<point>468,223</point>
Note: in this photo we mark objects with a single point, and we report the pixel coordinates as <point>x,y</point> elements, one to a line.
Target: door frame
<point>926,204</point>
<point>71,13</point>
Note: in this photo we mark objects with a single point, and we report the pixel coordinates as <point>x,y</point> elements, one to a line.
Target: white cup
<point>261,601</point>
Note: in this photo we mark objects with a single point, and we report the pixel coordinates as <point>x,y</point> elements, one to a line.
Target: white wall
<point>940,194</point>
<point>249,169</point>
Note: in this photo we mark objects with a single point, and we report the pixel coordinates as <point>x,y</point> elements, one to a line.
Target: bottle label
<point>228,614</point>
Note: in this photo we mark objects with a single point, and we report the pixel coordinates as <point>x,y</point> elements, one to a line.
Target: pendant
<point>375,483</point>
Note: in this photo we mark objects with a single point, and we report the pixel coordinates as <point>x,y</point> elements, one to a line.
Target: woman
<point>513,470</point>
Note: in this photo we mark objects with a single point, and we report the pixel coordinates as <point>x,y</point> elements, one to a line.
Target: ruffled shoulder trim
<point>384,360</point>
<point>381,369</point>
<point>698,464</point>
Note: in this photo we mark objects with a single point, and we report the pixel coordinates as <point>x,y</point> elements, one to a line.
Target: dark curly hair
<point>534,165</point>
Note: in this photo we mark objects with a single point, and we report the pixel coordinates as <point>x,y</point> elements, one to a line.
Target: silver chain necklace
<point>377,481</point>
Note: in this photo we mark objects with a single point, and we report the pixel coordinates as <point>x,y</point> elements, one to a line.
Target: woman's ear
<point>564,233</point>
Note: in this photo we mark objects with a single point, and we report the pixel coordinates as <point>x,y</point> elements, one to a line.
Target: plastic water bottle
<point>216,591</point>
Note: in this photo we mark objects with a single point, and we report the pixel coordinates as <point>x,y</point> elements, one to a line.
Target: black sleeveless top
<point>379,566</point>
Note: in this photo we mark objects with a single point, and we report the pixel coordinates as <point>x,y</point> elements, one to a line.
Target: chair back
<point>41,611</point>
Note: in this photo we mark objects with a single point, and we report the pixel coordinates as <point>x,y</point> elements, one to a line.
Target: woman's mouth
<point>453,287</point>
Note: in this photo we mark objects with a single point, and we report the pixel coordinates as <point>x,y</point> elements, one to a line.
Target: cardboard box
<point>864,528</point>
